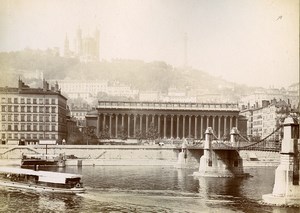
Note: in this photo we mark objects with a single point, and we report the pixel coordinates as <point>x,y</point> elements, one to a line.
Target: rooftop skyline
<point>249,42</point>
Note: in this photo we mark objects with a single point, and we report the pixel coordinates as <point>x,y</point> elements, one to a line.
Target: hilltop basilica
<point>86,48</point>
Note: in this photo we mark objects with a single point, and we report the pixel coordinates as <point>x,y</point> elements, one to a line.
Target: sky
<point>252,42</point>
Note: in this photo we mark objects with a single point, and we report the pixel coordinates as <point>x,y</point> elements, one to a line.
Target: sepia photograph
<point>148,106</point>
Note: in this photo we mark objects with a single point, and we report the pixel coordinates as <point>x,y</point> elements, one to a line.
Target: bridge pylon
<point>286,190</point>
<point>220,162</point>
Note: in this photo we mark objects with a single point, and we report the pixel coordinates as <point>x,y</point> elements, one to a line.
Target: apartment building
<point>32,114</point>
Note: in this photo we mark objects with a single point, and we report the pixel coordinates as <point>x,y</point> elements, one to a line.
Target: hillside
<point>138,74</point>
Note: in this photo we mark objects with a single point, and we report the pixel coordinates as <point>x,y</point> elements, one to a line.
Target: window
<point>41,127</point>
<point>41,109</point>
<point>9,118</point>
<point>53,137</point>
<point>22,117</point>
<point>53,118</point>
<point>28,108</point>
<point>23,127</point>
<point>3,108</point>
<point>47,101</point>
<point>35,118</point>
<point>34,136</point>
<point>34,101</point>
<point>41,101</point>
<point>28,127</point>
<point>16,136</point>
<point>16,118</point>
<point>41,118</point>
<point>34,127</point>
<point>52,101</point>
<point>22,101</point>
<point>9,109</point>
<point>9,100</point>
<point>15,100</point>
<point>28,101</point>
<point>22,109</point>
<point>9,127</point>
<point>3,100</point>
<point>35,109</point>
<point>53,128</point>
<point>3,135</point>
<point>28,117</point>
<point>53,109</point>
<point>47,118</point>
<point>3,117</point>
<point>16,127</point>
<point>47,128</point>
<point>16,108</point>
<point>41,136</point>
<point>9,136</point>
<point>47,109</point>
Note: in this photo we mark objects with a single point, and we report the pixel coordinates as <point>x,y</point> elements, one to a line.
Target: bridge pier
<point>286,190</point>
<point>220,162</point>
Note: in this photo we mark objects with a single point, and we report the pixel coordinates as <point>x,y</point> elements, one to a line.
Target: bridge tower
<point>286,190</point>
<point>220,162</point>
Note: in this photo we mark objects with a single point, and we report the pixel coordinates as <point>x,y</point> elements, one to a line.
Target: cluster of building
<point>32,114</point>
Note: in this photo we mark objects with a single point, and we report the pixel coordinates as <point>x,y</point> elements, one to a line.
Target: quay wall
<point>127,155</point>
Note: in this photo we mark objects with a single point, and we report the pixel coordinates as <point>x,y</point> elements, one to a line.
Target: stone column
<point>98,125</point>
<point>117,125</point>
<point>171,126</point>
<point>141,123</point>
<point>158,124</point>
<point>207,121</point>
<point>237,121</point>
<point>152,119</point>
<point>110,121</point>
<point>196,117</point>
<point>190,125</point>
<point>225,123</point>
<point>165,126</point>
<point>219,127</point>
<point>104,121</point>
<point>147,118</point>
<point>177,126</point>
<point>213,123</point>
<point>122,120</point>
<point>230,122</point>
<point>201,126</point>
<point>128,127</point>
<point>183,126</point>
<point>134,125</point>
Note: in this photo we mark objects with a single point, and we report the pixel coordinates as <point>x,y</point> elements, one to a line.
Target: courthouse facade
<point>171,120</point>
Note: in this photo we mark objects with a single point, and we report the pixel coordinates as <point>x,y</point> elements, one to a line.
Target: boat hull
<point>39,188</point>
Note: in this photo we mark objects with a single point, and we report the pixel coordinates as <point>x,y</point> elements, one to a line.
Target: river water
<point>151,189</point>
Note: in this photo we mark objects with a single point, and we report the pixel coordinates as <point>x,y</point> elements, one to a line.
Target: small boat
<point>43,181</point>
<point>29,160</point>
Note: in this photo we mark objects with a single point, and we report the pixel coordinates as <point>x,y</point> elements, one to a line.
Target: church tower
<point>66,47</point>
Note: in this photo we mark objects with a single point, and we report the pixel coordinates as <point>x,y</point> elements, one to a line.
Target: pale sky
<point>253,42</point>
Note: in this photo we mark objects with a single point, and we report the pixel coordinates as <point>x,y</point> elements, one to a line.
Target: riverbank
<point>128,155</point>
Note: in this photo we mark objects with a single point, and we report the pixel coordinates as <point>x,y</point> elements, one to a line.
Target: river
<point>151,189</point>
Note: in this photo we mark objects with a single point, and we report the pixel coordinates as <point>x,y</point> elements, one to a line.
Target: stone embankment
<point>124,155</point>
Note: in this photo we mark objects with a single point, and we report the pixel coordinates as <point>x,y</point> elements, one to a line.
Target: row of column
<point>233,120</point>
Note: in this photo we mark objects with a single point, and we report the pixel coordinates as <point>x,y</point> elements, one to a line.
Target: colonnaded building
<point>171,120</point>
